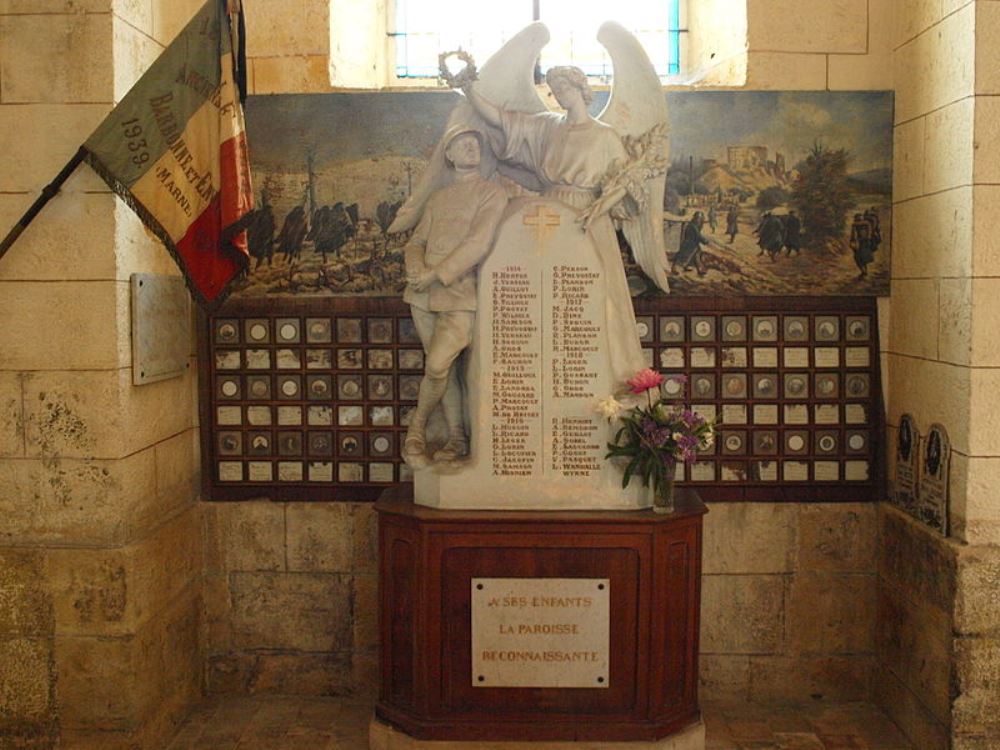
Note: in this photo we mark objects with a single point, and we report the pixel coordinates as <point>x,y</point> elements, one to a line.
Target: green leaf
<point>628,471</point>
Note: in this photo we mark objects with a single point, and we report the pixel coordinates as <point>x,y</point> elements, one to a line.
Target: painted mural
<point>790,190</point>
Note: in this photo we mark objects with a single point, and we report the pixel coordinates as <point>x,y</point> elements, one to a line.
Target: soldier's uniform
<point>454,235</point>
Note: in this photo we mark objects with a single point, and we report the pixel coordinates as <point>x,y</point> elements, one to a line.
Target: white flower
<point>708,440</point>
<point>677,437</point>
<point>609,407</point>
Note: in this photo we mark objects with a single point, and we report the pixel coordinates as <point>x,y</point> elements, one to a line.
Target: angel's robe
<point>571,161</point>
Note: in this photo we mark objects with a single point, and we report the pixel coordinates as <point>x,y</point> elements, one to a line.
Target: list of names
<point>516,393</point>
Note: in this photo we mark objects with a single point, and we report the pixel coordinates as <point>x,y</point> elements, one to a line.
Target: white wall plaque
<point>540,632</point>
<point>161,327</point>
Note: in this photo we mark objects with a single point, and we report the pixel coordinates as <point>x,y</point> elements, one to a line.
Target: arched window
<point>421,29</point>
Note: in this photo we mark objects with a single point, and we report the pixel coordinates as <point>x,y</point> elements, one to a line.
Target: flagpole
<point>48,193</point>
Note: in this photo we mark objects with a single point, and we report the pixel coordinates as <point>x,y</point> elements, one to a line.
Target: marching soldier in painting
<point>862,243</point>
<point>690,247</point>
<point>770,235</point>
<point>871,216</point>
<point>292,234</point>
<point>793,233</point>
<point>732,222</point>
<point>260,233</point>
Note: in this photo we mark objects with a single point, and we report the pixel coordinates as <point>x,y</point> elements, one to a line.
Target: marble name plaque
<point>541,359</point>
<point>541,632</point>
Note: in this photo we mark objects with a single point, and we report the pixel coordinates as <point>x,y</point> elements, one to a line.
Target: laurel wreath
<point>462,78</point>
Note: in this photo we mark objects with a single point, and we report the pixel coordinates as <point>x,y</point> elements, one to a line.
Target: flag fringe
<point>146,217</point>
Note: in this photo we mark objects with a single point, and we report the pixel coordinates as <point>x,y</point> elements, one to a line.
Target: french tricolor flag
<point>175,150</point>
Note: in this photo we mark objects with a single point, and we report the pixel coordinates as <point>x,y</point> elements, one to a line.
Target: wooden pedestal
<point>428,558</point>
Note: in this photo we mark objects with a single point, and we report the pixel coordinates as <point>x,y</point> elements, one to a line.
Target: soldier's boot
<point>457,445</point>
<point>431,391</point>
<point>455,448</point>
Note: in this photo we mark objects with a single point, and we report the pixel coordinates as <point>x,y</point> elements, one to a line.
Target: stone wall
<point>938,657</point>
<point>788,602</point>
<point>100,553</point>
<point>290,598</point>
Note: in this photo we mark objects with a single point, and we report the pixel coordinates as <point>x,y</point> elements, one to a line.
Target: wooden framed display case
<point>309,398</point>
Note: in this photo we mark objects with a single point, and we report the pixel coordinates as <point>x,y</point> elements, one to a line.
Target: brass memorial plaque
<point>540,632</point>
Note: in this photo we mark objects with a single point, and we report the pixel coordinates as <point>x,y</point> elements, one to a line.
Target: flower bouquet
<point>655,436</point>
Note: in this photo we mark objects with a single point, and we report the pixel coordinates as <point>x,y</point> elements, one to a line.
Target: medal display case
<point>310,398</point>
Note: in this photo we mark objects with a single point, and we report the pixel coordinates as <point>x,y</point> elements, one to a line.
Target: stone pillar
<point>100,546</point>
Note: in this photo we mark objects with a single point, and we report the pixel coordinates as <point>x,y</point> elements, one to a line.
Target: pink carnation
<point>644,380</point>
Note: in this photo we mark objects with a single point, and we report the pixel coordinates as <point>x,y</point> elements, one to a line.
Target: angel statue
<point>610,168</point>
<point>585,176</point>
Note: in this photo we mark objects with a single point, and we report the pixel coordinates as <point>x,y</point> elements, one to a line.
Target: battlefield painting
<point>789,191</point>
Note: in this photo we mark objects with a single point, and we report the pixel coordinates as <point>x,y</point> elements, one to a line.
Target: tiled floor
<point>297,723</point>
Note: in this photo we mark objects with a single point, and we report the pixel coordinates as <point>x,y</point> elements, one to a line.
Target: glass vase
<point>663,495</point>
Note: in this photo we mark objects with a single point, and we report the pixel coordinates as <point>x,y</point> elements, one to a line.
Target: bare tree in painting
<point>385,214</point>
<point>823,197</point>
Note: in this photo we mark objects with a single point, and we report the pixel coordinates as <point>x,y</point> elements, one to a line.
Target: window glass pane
<point>574,28</point>
<point>426,27</point>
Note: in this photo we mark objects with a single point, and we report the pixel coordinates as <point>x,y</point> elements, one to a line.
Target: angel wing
<point>636,106</point>
<point>507,80</point>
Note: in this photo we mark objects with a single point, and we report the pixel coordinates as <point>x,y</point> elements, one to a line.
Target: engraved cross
<point>542,221</point>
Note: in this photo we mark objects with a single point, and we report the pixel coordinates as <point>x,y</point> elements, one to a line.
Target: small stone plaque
<point>796,471</point>
<point>796,414</point>
<point>857,356</point>
<point>258,359</point>
<point>932,491</point>
<point>160,313</point>
<point>289,415</point>
<point>227,360</point>
<point>856,471</point>
<point>703,357</point>
<point>765,414</point>
<point>796,356</point>
<point>766,471</point>
<point>289,471</point>
<point>541,632</point>
<point>259,416</point>
<point>380,472</point>
<point>706,411</point>
<point>734,414</point>
<point>734,356</point>
<point>321,472</point>
<point>672,357</point>
<point>827,414</point>
<point>907,448</point>
<point>320,415</point>
<point>827,471</point>
<point>319,359</point>
<point>765,356</point>
<point>855,414</point>
<point>230,471</point>
<point>228,415</point>
<point>260,471</point>
<point>703,471</point>
<point>288,359</point>
<point>827,356</point>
